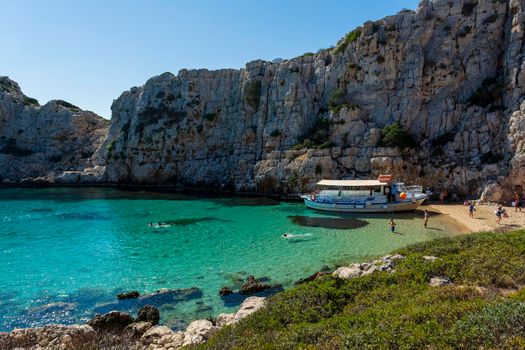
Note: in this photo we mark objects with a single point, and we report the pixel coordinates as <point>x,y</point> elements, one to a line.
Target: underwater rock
<point>128,295</point>
<point>254,285</point>
<point>312,277</point>
<point>149,313</point>
<point>225,291</point>
<point>113,321</point>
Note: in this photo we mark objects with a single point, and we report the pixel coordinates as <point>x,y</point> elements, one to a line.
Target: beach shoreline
<point>484,217</point>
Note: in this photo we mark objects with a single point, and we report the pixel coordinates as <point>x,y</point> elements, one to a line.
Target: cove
<point>67,252</point>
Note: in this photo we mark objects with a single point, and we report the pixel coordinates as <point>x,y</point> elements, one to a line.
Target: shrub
<point>490,91</point>
<point>308,54</point>
<point>334,101</point>
<point>443,139</point>
<point>12,149</point>
<point>490,158</point>
<point>348,39</point>
<point>6,85</point>
<point>210,116</point>
<point>380,59</point>
<point>394,135</point>
<point>67,104</point>
<point>275,133</point>
<point>252,94</point>
<point>111,147</point>
<point>29,101</point>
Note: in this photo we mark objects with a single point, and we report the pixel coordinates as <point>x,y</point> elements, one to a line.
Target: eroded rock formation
<point>450,74</point>
<point>39,143</point>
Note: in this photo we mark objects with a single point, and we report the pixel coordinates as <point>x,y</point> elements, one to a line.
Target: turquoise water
<point>66,252</point>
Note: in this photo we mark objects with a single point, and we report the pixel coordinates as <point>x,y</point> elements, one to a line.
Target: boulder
<point>128,295</point>
<point>439,281</point>
<point>155,333</point>
<point>137,329</point>
<point>197,332</point>
<point>347,272</point>
<point>149,313</point>
<point>249,306</point>
<point>224,320</point>
<point>113,321</point>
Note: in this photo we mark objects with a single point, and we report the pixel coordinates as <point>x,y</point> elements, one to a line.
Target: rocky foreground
<point>118,330</point>
<point>434,96</point>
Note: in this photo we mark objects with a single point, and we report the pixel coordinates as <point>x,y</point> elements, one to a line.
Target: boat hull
<point>366,208</point>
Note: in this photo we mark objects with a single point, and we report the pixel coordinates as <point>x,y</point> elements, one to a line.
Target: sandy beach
<point>484,217</point>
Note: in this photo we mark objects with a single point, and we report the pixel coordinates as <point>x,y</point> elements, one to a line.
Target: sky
<point>88,52</point>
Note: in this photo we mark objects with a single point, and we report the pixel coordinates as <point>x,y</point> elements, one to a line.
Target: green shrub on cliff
<point>252,94</point>
<point>401,310</point>
<point>348,39</point>
<point>490,92</point>
<point>394,135</point>
<point>29,101</point>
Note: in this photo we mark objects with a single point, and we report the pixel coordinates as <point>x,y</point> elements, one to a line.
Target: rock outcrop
<point>448,77</point>
<point>449,73</point>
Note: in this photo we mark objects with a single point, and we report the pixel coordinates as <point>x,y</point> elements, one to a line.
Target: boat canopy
<point>351,183</point>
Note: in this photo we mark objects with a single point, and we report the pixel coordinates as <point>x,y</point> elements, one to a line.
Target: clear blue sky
<point>87,52</point>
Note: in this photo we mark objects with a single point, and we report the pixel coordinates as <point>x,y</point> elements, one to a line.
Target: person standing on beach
<point>425,218</point>
<point>499,213</point>
<point>471,210</point>
<point>517,201</point>
<point>392,226</point>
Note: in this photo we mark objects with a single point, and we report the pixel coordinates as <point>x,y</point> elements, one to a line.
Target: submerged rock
<point>254,285</point>
<point>225,291</point>
<point>128,295</point>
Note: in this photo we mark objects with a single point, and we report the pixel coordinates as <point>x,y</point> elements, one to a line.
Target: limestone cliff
<point>450,73</point>
<point>38,143</point>
<point>448,76</point>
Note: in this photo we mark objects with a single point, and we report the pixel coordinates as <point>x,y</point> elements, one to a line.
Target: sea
<point>65,253</point>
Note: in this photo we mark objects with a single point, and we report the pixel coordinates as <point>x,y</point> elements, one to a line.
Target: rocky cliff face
<point>448,77</point>
<point>450,73</point>
<point>38,143</point>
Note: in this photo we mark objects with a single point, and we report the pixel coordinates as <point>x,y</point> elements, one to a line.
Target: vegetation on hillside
<point>394,135</point>
<point>348,39</point>
<point>483,308</point>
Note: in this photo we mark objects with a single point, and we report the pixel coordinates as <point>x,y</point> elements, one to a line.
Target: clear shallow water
<point>66,252</point>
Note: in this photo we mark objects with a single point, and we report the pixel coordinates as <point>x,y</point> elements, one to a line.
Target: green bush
<point>490,91</point>
<point>210,116</point>
<point>252,94</point>
<point>275,133</point>
<point>394,135</point>
<point>400,310</point>
<point>335,99</point>
<point>29,101</point>
<point>348,39</point>
<point>111,147</point>
<point>67,104</point>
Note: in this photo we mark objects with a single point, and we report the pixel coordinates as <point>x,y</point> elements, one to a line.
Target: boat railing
<point>414,189</point>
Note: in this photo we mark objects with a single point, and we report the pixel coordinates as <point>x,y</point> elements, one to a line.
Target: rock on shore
<point>122,330</point>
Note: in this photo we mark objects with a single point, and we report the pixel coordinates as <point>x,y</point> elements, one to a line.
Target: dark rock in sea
<point>157,299</point>
<point>254,285</point>
<point>113,321</point>
<point>312,277</point>
<point>225,291</point>
<point>149,313</point>
<point>128,295</point>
